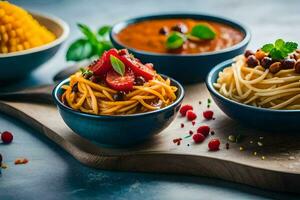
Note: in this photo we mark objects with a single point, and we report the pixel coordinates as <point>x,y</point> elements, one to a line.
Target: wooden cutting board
<point>280,170</point>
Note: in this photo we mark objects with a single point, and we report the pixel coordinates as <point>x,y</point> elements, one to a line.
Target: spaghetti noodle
<point>259,87</point>
<point>97,98</point>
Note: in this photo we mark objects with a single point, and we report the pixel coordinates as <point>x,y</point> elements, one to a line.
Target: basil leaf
<point>117,65</point>
<point>290,47</point>
<point>267,48</point>
<point>276,54</point>
<point>89,34</point>
<point>175,40</point>
<point>79,50</point>
<point>104,30</point>
<point>279,43</point>
<point>203,32</point>
<point>86,72</point>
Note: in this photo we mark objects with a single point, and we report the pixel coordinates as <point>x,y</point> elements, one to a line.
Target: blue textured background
<point>53,174</point>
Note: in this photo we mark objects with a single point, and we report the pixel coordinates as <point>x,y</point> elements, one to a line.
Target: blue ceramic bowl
<point>254,117</point>
<point>19,64</point>
<point>185,68</point>
<point>121,130</point>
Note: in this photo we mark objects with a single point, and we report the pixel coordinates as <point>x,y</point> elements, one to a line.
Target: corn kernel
<point>19,30</point>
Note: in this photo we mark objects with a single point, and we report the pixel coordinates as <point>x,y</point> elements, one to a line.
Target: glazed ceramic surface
<point>19,64</point>
<point>190,68</point>
<point>251,116</point>
<point>122,130</point>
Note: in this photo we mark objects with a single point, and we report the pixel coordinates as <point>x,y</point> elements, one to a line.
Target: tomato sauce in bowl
<point>151,35</point>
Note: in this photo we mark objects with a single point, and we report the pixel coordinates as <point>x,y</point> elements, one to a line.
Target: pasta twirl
<point>84,95</point>
<point>259,87</point>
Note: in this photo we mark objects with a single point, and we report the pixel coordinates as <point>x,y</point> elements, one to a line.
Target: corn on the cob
<point>19,30</point>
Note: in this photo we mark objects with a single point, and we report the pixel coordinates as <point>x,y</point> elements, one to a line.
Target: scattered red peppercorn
<point>191,115</point>
<point>212,132</point>
<point>208,114</point>
<point>191,132</point>
<point>7,137</point>
<point>181,125</point>
<point>204,130</point>
<point>198,138</point>
<point>214,145</point>
<point>183,110</point>
<point>193,123</point>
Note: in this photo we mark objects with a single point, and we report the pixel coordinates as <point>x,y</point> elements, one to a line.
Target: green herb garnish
<point>86,72</point>
<point>202,31</point>
<point>117,65</point>
<point>79,50</point>
<point>175,40</point>
<point>280,49</point>
<point>91,45</point>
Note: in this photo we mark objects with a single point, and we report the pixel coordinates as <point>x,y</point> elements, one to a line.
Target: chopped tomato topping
<point>118,82</point>
<point>137,67</point>
<point>103,65</point>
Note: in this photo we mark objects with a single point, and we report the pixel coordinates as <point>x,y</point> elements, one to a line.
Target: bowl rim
<point>66,108</point>
<point>65,28</point>
<point>237,25</point>
<point>209,84</point>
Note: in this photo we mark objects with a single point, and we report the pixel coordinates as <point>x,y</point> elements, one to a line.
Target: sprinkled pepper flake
<point>200,102</point>
<point>188,136</point>
<point>191,132</point>
<point>212,132</point>
<point>193,123</point>
<point>260,144</point>
<point>182,125</point>
<point>21,161</point>
<point>4,166</point>
<point>231,138</point>
<point>227,145</point>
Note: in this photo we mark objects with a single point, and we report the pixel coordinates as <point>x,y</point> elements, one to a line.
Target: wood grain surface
<point>280,170</point>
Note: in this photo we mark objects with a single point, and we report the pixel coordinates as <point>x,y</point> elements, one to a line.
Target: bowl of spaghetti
<point>260,89</point>
<point>117,100</point>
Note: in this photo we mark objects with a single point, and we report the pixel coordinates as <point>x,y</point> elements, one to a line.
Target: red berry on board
<point>214,145</point>
<point>191,115</point>
<point>185,108</point>
<point>7,137</point>
<point>204,130</point>
<point>198,138</point>
<point>208,114</point>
